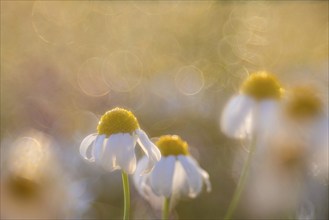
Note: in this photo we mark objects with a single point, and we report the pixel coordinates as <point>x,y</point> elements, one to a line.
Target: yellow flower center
<point>262,85</point>
<point>117,120</point>
<point>303,102</point>
<point>172,145</point>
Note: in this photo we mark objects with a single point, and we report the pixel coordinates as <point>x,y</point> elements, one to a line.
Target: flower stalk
<point>166,208</point>
<point>242,181</point>
<point>126,194</point>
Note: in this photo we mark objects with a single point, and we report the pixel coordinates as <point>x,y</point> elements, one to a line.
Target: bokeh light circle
<point>27,157</point>
<point>57,22</point>
<point>90,78</point>
<point>189,80</point>
<point>122,71</point>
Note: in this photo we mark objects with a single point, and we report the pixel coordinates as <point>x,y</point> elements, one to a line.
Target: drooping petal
<point>236,120</point>
<point>266,123</point>
<point>161,178</point>
<point>267,114</point>
<point>138,177</point>
<point>193,175</point>
<point>123,145</point>
<point>84,146</point>
<point>108,160</point>
<point>98,148</point>
<point>205,177</point>
<point>149,148</point>
<point>180,182</point>
<point>142,184</point>
<point>149,166</point>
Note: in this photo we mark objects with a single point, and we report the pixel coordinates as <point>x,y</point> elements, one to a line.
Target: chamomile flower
<point>297,147</point>
<point>176,174</point>
<point>302,120</point>
<point>250,115</point>
<point>255,106</point>
<point>35,184</point>
<point>113,146</point>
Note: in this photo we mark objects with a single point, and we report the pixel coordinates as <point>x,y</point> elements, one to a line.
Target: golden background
<point>173,63</point>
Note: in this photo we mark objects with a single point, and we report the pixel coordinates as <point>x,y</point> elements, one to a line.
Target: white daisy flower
<point>113,146</point>
<point>34,183</point>
<point>254,108</point>
<point>176,174</point>
<point>297,145</point>
<point>303,122</point>
<point>250,115</point>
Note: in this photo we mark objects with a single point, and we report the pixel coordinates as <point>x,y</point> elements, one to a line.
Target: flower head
<point>113,147</point>
<point>296,148</point>
<point>176,174</point>
<point>117,120</point>
<point>303,102</point>
<point>302,120</point>
<point>245,113</point>
<point>262,85</point>
<point>172,145</point>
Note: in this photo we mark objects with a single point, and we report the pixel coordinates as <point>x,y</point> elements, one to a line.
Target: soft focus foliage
<point>174,64</point>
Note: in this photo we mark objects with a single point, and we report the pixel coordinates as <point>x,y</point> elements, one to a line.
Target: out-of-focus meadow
<point>174,64</point>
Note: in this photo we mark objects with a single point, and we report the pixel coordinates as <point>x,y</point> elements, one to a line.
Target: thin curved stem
<point>166,208</point>
<point>126,195</point>
<point>242,181</point>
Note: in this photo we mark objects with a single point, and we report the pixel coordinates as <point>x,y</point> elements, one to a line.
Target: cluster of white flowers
<point>288,132</point>
<point>283,127</point>
<point>166,171</point>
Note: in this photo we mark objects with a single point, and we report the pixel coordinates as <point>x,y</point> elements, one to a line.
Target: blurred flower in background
<point>289,171</point>
<point>35,185</point>
<point>250,116</point>
<point>174,64</point>
<point>249,113</point>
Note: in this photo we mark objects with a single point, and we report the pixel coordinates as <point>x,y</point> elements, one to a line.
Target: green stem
<point>242,182</point>
<point>126,194</point>
<point>166,207</point>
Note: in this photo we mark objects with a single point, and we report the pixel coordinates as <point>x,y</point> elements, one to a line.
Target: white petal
<point>193,175</point>
<point>203,173</point>
<point>108,160</point>
<point>267,125</point>
<point>267,114</point>
<point>236,119</point>
<point>155,201</point>
<point>97,151</point>
<point>138,177</point>
<point>180,182</point>
<point>123,145</point>
<point>149,148</point>
<point>85,144</point>
<point>319,150</point>
<point>319,134</point>
<point>162,175</point>
<point>150,165</point>
<point>205,177</point>
<point>142,184</point>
